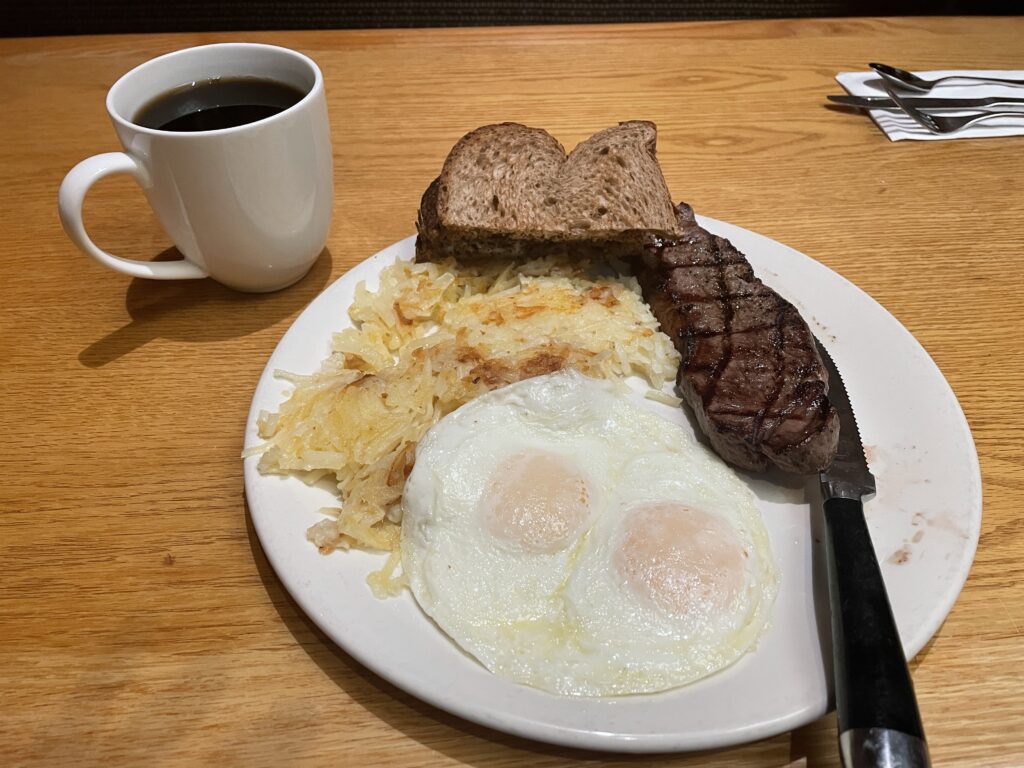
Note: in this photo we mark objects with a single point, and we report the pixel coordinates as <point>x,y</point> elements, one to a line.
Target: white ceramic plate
<point>924,522</point>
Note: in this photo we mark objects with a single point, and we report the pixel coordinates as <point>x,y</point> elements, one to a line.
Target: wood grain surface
<point>139,621</point>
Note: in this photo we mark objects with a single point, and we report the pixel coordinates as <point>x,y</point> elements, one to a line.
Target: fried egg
<point>573,541</point>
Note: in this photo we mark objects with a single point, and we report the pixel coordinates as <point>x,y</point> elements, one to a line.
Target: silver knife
<point>879,723</point>
<point>922,102</point>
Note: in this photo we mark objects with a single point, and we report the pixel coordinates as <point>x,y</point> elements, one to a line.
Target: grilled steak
<point>749,369</point>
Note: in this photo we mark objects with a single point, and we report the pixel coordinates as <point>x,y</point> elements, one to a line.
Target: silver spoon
<point>908,81</point>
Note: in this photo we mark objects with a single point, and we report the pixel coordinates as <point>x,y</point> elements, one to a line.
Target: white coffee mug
<point>249,206</point>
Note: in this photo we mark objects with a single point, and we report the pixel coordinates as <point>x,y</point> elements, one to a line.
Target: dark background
<point>69,17</point>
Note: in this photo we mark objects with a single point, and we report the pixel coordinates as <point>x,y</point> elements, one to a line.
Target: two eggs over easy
<point>572,541</point>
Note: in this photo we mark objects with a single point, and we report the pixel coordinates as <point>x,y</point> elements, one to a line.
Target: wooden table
<point>139,620</point>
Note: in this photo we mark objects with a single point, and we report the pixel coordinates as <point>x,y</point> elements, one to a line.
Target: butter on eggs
<point>572,541</point>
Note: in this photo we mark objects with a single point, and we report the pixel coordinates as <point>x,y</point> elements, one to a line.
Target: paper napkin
<point>897,126</point>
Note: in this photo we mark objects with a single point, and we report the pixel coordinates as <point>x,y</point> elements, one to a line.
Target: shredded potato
<point>430,338</point>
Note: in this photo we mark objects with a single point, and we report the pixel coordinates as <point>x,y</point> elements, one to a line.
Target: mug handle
<point>69,202</point>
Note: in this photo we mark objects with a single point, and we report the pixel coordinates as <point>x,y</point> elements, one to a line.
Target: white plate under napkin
<point>897,126</point>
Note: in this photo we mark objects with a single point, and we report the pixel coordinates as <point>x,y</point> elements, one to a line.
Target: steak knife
<point>879,723</point>
<point>922,102</point>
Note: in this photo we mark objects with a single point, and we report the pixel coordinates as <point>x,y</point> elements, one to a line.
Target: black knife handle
<point>874,693</point>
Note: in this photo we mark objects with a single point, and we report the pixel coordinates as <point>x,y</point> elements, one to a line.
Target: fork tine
<point>919,117</point>
<point>953,123</point>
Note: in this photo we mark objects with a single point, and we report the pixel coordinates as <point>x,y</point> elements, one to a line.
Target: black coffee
<point>207,105</point>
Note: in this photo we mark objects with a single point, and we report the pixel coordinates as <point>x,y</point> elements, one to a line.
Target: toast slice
<point>508,190</point>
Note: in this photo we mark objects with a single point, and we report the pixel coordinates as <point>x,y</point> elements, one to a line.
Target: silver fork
<point>942,124</point>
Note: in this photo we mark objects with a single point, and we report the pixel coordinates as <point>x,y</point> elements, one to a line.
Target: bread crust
<point>510,190</point>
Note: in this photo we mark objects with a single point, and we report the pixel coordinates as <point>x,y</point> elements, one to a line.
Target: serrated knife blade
<point>848,477</point>
<point>878,719</point>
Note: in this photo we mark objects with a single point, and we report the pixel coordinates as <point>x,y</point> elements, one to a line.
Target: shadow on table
<point>810,747</point>
<point>200,311</point>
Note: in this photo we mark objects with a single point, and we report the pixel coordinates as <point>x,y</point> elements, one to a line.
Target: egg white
<point>565,619</point>
<point>636,645</point>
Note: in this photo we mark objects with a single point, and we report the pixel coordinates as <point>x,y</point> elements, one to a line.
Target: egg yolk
<point>537,501</point>
<point>681,559</point>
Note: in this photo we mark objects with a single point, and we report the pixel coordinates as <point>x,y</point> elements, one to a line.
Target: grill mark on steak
<point>750,369</point>
<point>727,316</point>
<point>776,339</point>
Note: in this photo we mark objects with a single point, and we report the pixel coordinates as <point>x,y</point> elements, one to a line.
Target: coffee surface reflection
<point>210,105</point>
